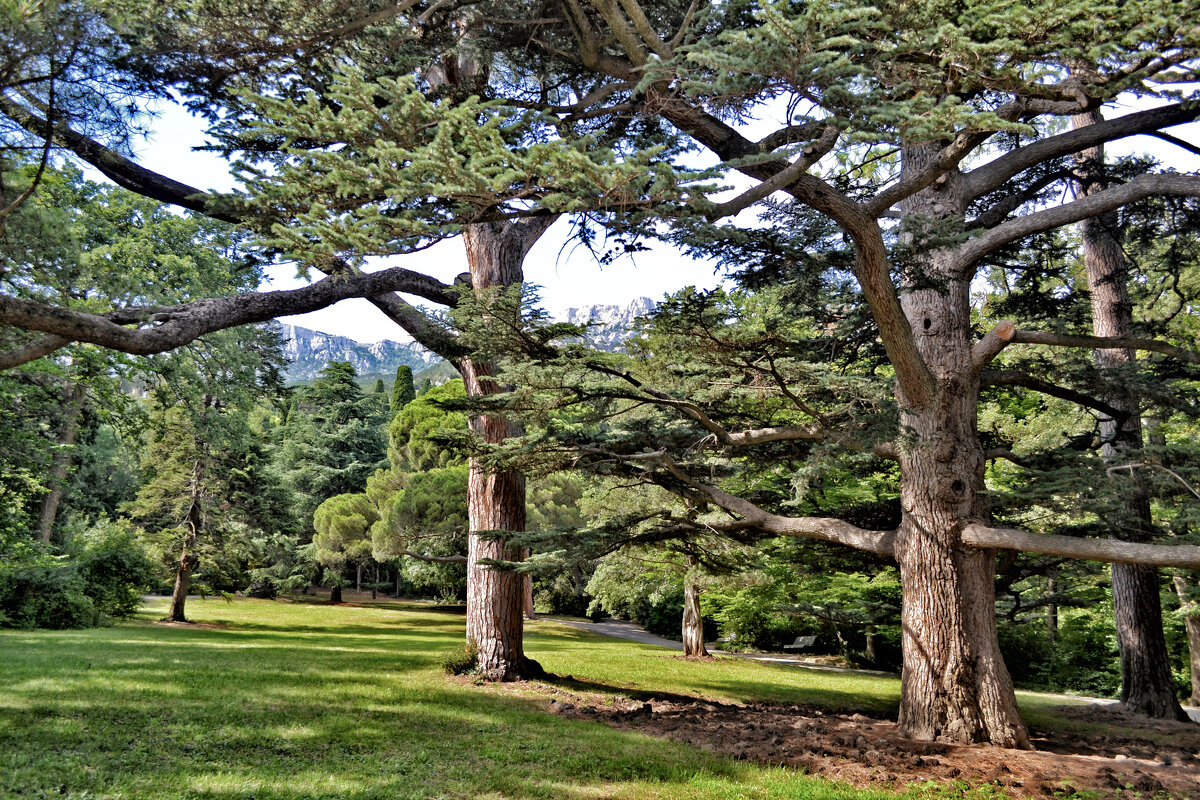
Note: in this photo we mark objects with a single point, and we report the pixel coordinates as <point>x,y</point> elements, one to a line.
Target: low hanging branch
<point>32,351</point>
<point>1105,343</point>
<point>1012,377</point>
<point>883,542</point>
<point>1109,550</point>
<point>1006,332</point>
<point>433,559</point>
<point>814,432</point>
<point>174,326</point>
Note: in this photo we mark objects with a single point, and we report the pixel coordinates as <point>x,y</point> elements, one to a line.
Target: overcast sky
<point>569,276</point>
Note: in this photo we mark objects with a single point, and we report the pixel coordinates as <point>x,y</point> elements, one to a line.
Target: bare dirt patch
<point>1131,756</point>
<point>211,626</point>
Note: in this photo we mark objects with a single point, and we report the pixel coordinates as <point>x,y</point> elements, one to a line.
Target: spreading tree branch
<point>32,351</point>
<point>1108,550</point>
<point>823,528</point>
<point>1138,188</point>
<point>177,325</point>
<point>117,168</point>
<point>1104,343</point>
<point>433,559</point>
<point>990,176</point>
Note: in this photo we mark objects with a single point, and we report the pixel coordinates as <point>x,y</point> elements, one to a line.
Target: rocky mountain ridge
<point>609,325</point>
<point>308,351</point>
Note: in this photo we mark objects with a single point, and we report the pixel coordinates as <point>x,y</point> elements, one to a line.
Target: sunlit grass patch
<point>281,701</point>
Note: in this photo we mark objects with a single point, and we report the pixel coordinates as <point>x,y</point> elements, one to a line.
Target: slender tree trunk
<point>693,624</point>
<point>1147,686</point>
<point>496,501</point>
<point>527,588</point>
<point>954,685</point>
<point>187,557</point>
<point>1052,609</point>
<point>73,396</point>
<point>358,578</point>
<point>375,583</point>
<point>871,653</point>
<point>1191,621</point>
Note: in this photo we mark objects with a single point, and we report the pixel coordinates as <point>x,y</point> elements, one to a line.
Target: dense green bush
<point>751,617</point>
<point>41,595</point>
<point>105,576</point>
<point>115,570</point>
<point>560,593</point>
<point>462,660</point>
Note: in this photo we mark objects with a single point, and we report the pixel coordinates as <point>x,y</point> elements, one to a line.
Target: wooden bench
<point>801,643</point>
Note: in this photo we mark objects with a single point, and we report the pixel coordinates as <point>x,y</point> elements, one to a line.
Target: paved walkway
<point>633,632</point>
<point>629,630</point>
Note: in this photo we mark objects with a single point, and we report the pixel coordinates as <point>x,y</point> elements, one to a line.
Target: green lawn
<point>314,701</point>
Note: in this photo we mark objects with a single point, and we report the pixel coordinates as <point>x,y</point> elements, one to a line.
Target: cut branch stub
<point>992,343</point>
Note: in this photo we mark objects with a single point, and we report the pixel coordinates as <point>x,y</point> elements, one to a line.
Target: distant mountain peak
<point>308,351</point>
<point>610,325</point>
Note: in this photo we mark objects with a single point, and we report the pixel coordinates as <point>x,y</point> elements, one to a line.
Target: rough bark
<point>73,396</point>
<point>1192,622</point>
<point>335,593</point>
<point>1147,686</point>
<point>693,625</point>
<point>495,500</point>
<point>955,686</point>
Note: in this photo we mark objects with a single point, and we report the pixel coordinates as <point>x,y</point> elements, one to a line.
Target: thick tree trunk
<point>73,396</point>
<point>495,598</point>
<point>693,625</point>
<point>496,501</point>
<point>954,685</point>
<point>1147,686</point>
<point>335,593</point>
<point>1192,622</point>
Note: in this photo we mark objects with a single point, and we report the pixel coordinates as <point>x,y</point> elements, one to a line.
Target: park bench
<point>801,643</point>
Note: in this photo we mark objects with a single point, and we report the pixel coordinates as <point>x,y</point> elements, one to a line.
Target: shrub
<point>263,589</point>
<point>461,661</point>
<point>560,594</point>
<point>1082,658</point>
<point>752,617</point>
<point>41,596</point>
<point>105,576</point>
<point>115,570</point>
